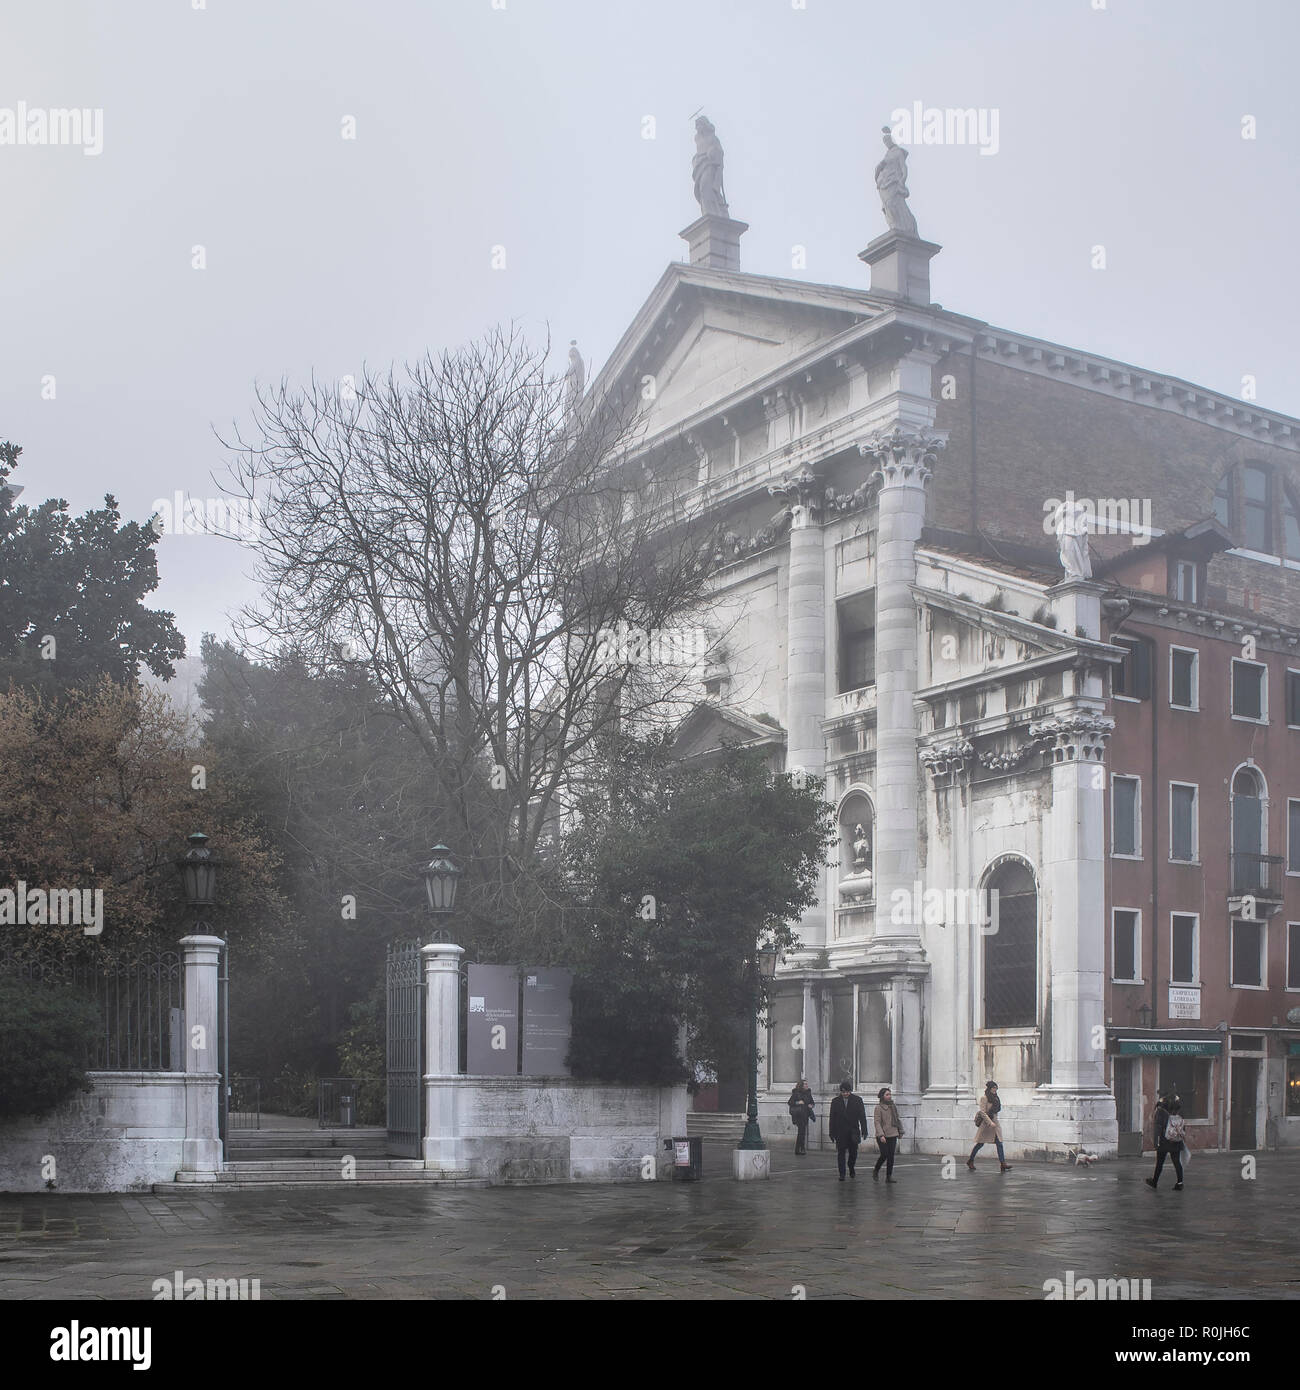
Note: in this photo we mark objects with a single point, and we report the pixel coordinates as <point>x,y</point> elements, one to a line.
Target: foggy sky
<point>523,127</point>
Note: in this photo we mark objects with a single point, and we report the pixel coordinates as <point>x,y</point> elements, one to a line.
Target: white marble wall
<point>124,1135</point>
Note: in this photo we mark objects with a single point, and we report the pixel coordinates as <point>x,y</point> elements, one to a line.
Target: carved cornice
<point>1077,737</point>
<point>902,456</point>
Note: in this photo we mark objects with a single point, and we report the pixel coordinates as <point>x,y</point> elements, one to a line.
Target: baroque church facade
<point>894,614</point>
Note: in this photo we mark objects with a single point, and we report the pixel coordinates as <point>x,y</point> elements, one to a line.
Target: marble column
<point>806,662</point>
<point>201,1147</point>
<point>441,1147</point>
<point>903,460</point>
<point>1076,1107</point>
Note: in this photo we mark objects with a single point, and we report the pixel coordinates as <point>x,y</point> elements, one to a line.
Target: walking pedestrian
<point>889,1130</point>
<point>989,1131</point>
<point>848,1126</point>
<point>1170,1132</point>
<point>801,1113</point>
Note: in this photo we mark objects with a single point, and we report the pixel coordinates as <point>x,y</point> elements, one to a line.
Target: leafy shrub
<point>45,1036</point>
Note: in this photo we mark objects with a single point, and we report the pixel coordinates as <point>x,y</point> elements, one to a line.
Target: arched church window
<point>1011,948</point>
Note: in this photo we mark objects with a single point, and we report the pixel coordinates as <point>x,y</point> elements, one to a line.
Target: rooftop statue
<point>891,182</point>
<point>1070,522</point>
<point>574,379</point>
<point>706,169</point>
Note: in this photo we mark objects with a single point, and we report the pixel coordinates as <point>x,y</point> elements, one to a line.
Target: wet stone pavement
<point>969,1235</point>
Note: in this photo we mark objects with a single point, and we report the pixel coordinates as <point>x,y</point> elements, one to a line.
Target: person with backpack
<point>848,1127</point>
<point>1170,1133</point>
<point>801,1114</point>
<point>989,1131</point>
<point>889,1130</point>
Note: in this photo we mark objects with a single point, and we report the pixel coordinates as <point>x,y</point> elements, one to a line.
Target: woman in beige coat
<point>990,1131</point>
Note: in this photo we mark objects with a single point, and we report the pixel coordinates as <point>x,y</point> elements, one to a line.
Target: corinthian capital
<point>1077,737</point>
<point>948,758</point>
<point>802,493</point>
<point>901,455</point>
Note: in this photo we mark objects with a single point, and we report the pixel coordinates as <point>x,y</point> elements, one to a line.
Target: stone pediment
<point>706,335</point>
<point>709,727</point>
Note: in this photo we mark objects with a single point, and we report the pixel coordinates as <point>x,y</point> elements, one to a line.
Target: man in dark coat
<point>848,1127</point>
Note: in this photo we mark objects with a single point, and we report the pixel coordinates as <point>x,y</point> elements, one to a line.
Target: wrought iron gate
<point>405,1050</point>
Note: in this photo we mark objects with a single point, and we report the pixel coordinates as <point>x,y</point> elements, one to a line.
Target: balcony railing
<point>1258,875</point>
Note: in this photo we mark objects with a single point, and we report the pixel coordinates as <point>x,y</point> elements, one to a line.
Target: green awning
<point>1168,1047</point>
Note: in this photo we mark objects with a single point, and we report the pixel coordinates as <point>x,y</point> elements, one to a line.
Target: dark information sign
<point>547,1015</point>
<point>492,1025</point>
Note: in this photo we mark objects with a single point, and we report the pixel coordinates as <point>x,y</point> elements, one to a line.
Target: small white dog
<point>1086,1160</point>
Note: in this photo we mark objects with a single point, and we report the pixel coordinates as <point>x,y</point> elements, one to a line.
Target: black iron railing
<point>139,1002</point>
<point>245,1103</point>
<point>348,1101</point>
<point>1258,875</point>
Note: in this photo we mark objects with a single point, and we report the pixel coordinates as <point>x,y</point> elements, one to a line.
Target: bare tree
<point>455,527</point>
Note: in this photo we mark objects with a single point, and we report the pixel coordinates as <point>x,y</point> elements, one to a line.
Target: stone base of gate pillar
<point>442,1147</point>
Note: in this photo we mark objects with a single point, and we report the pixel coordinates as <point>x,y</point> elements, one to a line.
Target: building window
<point>1250,868</point>
<point>1256,508</point>
<point>1183,678</point>
<point>1126,947</point>
<point>1185,587</point>
<point>1189,1079</point>
<point>1248,954</point>
<point>1249,691</point>
<point>1293,955</point>
<point>1183,834</point>
<point>1125,803</point>
<point>857,642</point>
<point>1290,527</point>
<point>1244,502</point>
<point>1293,698</point>
<point>1293,837</point>
<point>1132,677</point>
<point>1183,949</point>
<point>1011,952</point>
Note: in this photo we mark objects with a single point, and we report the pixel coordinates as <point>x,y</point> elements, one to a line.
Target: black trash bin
<point>687,1157</point>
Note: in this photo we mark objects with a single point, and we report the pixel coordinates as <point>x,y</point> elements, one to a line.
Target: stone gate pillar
<point>201,1147</point>
<point>441,1053</point>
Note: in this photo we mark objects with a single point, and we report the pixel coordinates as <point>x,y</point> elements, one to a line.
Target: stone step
<point>272,1183</point>
<point>249,1166</point>
<point>241,1154</point>
<point>722,1125</point>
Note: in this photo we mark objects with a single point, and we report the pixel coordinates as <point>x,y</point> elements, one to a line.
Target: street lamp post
<point>198,870</point>
<point>441,877</point>
<point>763,967</point>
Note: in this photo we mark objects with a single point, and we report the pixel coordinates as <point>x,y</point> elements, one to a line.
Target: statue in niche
<point>1070,522</point>
<point>574,379</point>
<point>861,850</point>
<point>891,184</point>
<point>706,169</point>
